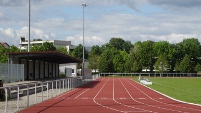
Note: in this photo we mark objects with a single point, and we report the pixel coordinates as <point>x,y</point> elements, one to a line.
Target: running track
<point>112,95</point>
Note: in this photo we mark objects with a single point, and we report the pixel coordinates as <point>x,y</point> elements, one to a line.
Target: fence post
<point>52,88</point>
<point>18,97</point>
<point>59,86</point>
<point>6,100</point>
<point>42,90</point>
<point>28,95</point>
<point>35,93</point>
<point>47,90</point>
<point>63,85</point>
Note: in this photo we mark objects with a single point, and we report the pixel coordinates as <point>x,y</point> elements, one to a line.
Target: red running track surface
<point>112,95</point>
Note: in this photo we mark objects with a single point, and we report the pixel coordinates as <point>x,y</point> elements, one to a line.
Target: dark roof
<point>48,56</point>
<point>4,44</point>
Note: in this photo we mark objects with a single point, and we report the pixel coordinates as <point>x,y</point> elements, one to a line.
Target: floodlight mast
<point>29,25</point>
<point>84,5</point>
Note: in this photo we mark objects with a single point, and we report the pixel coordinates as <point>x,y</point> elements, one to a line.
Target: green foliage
<point>198,68</point>
<point>146,54</point>
<point>4,51</point>
<point>94,57</point>
<point>47,46</point>
<point>63,50</point>
<point>78,52</point>
<point>177,68</point>
<point>121,44</point>
<point>105,62</point>
<point>37,40</point>
<point>191,47</point>
<point>186,64</point>
<point>161,64</point>
<point>119,61</point>
<point>133,63</point>
<point>93,62</point>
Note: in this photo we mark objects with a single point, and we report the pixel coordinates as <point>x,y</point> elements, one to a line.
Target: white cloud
<point>104,19</point>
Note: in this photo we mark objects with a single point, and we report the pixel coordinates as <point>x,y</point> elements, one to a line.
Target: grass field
<point>185,89</point>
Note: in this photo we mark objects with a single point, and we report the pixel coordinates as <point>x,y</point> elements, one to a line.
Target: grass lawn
<point>185,89</point>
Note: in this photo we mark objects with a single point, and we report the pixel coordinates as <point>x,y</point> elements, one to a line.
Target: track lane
<point>112,95</point>
<point>154,98</point>
<point>105,98</point>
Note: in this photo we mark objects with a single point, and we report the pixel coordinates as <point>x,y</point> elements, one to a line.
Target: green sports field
<point>185,89</point>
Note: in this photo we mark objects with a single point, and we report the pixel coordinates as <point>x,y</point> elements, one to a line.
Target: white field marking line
<point>151,105</point>
<point>174,99</point>
<point>160,101</point>
<point>94,99</point>
<point>66,93</point>
<point>84,91</point>
<point>135,99</point>
<point>143,110</point>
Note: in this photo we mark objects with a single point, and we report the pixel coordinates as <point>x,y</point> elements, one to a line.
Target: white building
<point>56,43</point>
<point>64,68</point>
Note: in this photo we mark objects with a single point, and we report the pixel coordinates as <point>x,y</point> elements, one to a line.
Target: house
<point>4,44</point>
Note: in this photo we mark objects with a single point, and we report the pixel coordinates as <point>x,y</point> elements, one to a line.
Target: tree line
<point>119,55</point>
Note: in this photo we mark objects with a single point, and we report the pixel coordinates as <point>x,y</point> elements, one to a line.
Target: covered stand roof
<point>48,56</point>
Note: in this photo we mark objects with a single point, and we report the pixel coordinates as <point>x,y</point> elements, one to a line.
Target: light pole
<point>29,25</point>
<point>84,5</point>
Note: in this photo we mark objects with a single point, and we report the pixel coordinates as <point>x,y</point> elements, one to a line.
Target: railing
<point>152,74</point>
<point>16,98</point>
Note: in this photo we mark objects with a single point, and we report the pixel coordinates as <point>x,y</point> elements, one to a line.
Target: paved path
<point>112,95</point>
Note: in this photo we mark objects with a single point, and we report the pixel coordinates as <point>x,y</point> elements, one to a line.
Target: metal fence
<point>152,74</point>
<point>11,72</point>
<point>16,98</point>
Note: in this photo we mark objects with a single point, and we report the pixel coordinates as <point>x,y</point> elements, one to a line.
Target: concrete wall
<point>73,66</point>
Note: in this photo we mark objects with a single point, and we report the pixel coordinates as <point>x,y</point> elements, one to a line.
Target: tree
<point>161,64</point>
<point>133,63</point>
<point>63,50</point>
<point>94,57</point>
<point>186,64</point>
<point>36,48</point>
<point>47,46</point>
<point>121,44</point>
<point>198,68</point>
<point>37,39</point>
<point>146,54</point>
<point>4,51</point>
<point>176,67</point>
<point>3,57</point>
<point>78,52</point>
<point>94,62</point>
<point>119,61</point>
<point>106,60</point>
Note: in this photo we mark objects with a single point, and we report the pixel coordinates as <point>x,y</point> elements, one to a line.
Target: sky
<point>131,20</point>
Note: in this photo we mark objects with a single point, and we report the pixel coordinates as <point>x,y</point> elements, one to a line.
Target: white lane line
<point>174,100</point>
<point>149,97</point>
<point>85,91</point>
<point>160,101</point>
<point>143,110</point>
<point>134,99</point>
<point>60,96</point>
<point>94,99</point>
